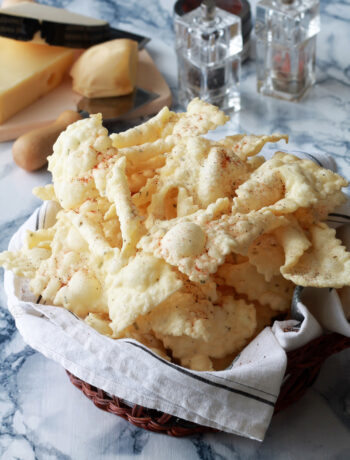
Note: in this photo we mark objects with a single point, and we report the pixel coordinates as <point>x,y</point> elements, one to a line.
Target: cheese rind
<point>106,70</point>
<point>27,72</point>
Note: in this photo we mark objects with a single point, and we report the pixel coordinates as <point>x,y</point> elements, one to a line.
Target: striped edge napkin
<point>239,399</point>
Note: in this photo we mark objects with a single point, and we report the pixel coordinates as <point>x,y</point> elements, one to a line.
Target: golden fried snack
<point>188,245</point>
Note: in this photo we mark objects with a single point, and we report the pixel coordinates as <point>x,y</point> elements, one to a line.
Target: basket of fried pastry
<point>188,245</point>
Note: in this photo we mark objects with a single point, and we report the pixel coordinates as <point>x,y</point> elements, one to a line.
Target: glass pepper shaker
<point>208,47</point>
<point>286,46</point>
<point>240,8</point>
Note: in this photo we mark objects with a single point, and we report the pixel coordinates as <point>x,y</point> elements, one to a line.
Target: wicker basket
<point>303,367</point>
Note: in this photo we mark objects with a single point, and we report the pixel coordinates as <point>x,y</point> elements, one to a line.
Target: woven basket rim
<point>303,367</point>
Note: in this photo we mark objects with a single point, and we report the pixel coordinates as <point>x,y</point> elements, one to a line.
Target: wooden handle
<point>30,151</point>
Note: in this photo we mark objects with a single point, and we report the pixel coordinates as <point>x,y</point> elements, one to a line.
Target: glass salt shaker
<point>286,46</point>
<point>208,47</point>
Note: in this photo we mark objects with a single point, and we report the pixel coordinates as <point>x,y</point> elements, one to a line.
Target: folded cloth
<point>239,399</point>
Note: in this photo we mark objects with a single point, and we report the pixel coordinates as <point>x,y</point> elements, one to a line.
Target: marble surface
<point>42,416</point>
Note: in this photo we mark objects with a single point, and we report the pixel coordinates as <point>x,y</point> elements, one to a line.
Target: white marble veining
<point>42,416</point>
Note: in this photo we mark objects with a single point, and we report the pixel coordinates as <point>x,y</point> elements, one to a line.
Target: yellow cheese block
<point>106,70</point>
<point>28,71</point>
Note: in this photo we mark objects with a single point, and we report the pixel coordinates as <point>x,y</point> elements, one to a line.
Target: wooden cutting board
<point>45,110</point>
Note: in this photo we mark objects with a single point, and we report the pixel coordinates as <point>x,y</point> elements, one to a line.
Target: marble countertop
<point>42,416</point>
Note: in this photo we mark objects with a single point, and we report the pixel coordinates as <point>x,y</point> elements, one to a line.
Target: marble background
<point>42,416</point>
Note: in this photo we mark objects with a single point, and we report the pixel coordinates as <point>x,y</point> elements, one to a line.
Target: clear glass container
<point>286,46</point>
<point>208,47</point>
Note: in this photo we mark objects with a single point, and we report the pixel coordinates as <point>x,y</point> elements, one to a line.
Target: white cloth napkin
<point>239,399</point>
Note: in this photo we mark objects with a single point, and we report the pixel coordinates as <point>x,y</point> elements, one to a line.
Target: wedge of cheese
<point>106,70</point>
<point>27,72</point>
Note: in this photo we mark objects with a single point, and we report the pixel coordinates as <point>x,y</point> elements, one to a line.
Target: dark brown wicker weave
<point>303,367</point>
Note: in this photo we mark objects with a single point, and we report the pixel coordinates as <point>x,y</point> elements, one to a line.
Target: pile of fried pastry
<point>188,245</point>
